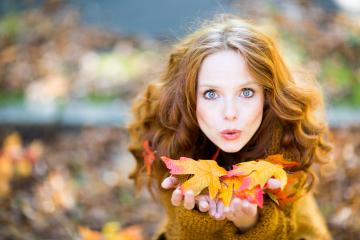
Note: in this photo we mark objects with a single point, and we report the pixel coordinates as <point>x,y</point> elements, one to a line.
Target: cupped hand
<point>240,211</point>
<point>243,213</point>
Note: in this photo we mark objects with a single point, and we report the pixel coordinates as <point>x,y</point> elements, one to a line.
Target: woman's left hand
<point>243,213</point>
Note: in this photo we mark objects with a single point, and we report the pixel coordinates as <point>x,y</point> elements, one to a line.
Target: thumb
<point>273,184</point>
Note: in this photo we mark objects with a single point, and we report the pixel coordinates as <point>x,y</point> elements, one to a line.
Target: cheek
<point>255,112</point>
<point>206,114</point>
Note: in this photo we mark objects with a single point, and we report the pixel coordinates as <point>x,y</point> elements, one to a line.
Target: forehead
<point>226,67</point>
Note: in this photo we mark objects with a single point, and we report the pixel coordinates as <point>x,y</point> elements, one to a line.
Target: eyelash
<point>242,90</point>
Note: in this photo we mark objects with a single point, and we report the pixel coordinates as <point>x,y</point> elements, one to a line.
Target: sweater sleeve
<point>301,220</point>
<point>188,224</point>
<point>309,220</point>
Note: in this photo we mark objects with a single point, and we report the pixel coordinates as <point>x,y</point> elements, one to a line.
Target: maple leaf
<point>279,159</point>
<point>294,189</point>
<point>149,156</point>
<point>260,172</point>
<point>255,195</point>
<point>206,173</point>
<point>228,184</point>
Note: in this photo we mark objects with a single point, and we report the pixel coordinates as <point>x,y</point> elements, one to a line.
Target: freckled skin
<point>236,100</point>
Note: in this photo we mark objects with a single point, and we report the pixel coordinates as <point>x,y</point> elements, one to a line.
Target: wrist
<point>244,227</point>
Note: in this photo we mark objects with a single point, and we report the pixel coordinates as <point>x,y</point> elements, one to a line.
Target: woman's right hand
<point>203,201</point>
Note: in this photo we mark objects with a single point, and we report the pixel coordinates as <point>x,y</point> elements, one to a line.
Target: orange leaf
<point>88,234</point>
<point>294,189</point>
<point>254,195</point>
<point>206,174</point>
<point>149,156</point>
<point>278,159</point>
<point>130,233</point>
<point>229,184</point>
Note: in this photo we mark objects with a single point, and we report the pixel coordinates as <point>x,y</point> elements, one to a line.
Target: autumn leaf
<point>228,184</point>
<point>149,157</point>
<point>130,233</point>
<point>88,234</point>
<point>279,159</point>
<point>247,180</point>
<point>255,195</point>
<point>206,174</point>
<point>294,189</point>
<point>112,231</point>
<point>259,172</point>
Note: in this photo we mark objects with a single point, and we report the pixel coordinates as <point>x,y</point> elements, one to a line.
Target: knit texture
<point>299,220</point>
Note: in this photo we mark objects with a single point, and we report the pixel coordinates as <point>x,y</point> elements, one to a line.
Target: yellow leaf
<point>206,174</point>
<point>260,172</point>
<point>110,228</point>
<point>229,184</point>
<point>13,145</point>
<point>23,167</point>
<point>6,167</point>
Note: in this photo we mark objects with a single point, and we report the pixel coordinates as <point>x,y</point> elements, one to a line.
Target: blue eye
<point>210,94</point>
<point>247,92</point>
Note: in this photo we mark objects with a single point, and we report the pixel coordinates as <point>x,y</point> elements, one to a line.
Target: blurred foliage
<point>10,27</point>
<point>74,187</point>
<point>50,57</point>
<point>47,56</point>
<point>78,188</point>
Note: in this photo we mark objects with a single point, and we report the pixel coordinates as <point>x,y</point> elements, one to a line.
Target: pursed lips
<point>230,134</point>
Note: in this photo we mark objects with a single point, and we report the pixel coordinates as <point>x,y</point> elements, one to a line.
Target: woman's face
<point>229,105</point>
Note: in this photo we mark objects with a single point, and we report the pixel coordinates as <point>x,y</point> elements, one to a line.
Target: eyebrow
<point>241,85</point>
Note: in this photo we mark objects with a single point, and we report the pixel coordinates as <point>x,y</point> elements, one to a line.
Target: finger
<point>189,200</point>
<point>176,197</point>
<point>220,211</point>
<point>229,211</point>
<point>238,208</point>
<point>212,210</point>
<point>169,182</point>
<point>248,208</point>
<point>273,183</point>
<point>203,203</point>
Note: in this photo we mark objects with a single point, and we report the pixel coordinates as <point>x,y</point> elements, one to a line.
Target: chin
<point>231,149</point>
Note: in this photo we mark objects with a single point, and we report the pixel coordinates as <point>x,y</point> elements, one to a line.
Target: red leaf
<point>149,156</point>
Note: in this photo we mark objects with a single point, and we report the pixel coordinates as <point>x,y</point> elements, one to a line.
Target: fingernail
<point>204,204</point>
<point>165,183</point>
<point>189,193</point>
<point>245,204</point>
<point>274,183</point>
<point>237,201</point>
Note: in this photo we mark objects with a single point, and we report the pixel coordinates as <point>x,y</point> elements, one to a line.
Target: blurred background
<point>70,69</point>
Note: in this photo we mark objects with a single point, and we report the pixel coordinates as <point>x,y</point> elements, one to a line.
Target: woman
<point>227,95</point>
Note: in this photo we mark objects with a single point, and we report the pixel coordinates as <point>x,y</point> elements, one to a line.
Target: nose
<point>230,111</point>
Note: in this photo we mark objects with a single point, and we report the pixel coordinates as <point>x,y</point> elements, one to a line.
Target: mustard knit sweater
<point>299,220</point>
